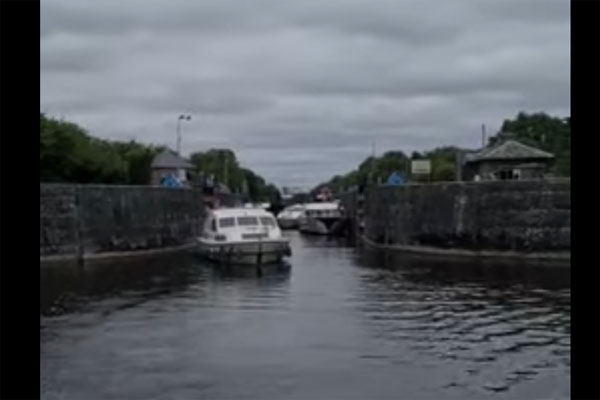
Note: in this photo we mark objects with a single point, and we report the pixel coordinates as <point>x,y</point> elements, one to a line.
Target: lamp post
<point>182,117</point>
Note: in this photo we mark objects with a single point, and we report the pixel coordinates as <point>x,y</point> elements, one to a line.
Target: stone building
<point>506,160</point>
<point>170,164</point>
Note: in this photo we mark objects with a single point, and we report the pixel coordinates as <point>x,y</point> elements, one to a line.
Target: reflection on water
<point>497,325</point>
<point>336,324</point>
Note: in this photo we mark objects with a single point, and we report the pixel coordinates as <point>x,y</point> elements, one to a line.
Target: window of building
<point>509,174</point>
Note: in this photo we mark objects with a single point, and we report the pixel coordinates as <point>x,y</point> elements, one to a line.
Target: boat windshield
<point>226,222</point>
<point>247,221</point>
<point>267,221</point>
<point>323,213</point>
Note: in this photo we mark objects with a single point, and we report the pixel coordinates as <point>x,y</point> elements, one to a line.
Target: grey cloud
<point>539,11</point>
<point>117,17</point>
<point>300,89</point>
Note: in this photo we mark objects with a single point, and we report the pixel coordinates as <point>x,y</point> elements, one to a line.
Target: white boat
<point>320,218</point>
<point>289,218</point>
<point>242,236</point>
<point>264,206</point>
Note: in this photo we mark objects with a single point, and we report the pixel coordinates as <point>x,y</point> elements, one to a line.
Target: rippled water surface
<point>336,324</point>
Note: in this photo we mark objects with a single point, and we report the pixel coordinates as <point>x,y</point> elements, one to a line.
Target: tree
<point>69,154</point>
<point>443,163</point>
<point>224,166</point>
<point>552,134</point>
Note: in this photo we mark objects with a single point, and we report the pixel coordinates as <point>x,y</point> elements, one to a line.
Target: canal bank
<point>514,219</point>
<point>506,219</point>
<point>89,222</point>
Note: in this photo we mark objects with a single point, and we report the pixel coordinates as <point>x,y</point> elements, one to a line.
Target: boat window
<point>226,222</point>
<point>267,221</point>
<point>246,221</point>
<point>213,225</point>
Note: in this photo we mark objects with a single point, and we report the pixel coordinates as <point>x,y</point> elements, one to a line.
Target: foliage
<point>69,154</point>
<point>223,165</point>
<point>540,130</point>
<point>378,169</point>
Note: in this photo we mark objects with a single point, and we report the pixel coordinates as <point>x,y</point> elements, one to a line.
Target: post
<point>179,135</point>
<point>459,165</point>
<point>79,232</point>
<point>181,117</point>
<point>482,135</point>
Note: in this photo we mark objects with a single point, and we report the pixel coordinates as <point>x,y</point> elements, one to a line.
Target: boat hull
<point>245,253</point>
<point>288,223</point>
<point>318,226</point>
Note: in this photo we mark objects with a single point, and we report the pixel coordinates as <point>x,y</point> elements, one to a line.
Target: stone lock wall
<point>509,215</point>
<point>58,220</point>
<point>100,218</point>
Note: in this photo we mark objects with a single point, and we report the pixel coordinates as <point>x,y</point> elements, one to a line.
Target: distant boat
<point>247,236</point>
<point>290,217</point>
<point>321,218</point>
<point>264,206</point>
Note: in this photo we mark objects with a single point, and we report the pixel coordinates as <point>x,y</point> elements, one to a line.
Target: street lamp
<point>182,117</point>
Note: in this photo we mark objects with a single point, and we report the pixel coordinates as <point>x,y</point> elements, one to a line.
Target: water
<point>336,325</point>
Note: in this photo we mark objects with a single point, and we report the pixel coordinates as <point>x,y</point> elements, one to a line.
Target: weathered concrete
<point>514,216</point>
<point>88,220</point>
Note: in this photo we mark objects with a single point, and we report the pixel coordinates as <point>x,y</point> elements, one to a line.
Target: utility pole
<point>182,117</point>
<point>483,135</point>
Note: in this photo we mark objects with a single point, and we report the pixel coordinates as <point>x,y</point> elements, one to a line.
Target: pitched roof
<point>170,159</point>
<point>508,150</point>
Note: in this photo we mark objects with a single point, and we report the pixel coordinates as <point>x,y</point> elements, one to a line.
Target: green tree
<point>552,134</point>
<point>540,130</point>
<point>224,166</point>
<point>69,154</point>
<point>139,160</point>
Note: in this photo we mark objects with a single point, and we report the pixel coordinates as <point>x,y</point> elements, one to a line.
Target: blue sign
<point>169,181</point>
<point>395,179</point>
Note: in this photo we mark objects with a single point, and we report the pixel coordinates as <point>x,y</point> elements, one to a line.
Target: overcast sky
<point>300,89</point>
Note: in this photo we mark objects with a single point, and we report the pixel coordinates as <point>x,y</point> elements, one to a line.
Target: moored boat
<point>321,218</point>
<point>242,236</point>
<point>290,217</point>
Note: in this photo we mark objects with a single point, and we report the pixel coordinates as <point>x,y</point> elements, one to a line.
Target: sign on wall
<point>421,167</point>
<point>395,179</point>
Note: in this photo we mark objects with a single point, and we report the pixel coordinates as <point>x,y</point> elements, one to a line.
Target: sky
<point>303,90</point>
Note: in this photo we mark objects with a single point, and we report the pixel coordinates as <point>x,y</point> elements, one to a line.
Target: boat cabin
<point>323,210</point>
<point>240,224</point>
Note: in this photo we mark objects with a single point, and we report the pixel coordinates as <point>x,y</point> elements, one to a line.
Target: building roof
<point>169,159</point>
<point>508,150</point>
